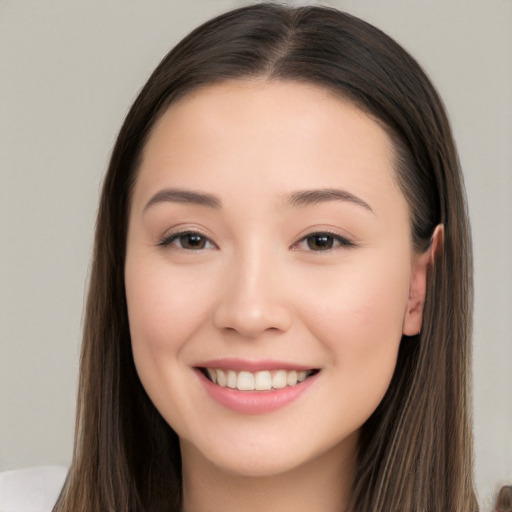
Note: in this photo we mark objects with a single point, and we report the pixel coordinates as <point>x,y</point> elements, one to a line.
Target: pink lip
<point>254,402</point>
<point>252,366</point>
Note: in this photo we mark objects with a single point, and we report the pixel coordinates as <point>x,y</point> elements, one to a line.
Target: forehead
<point>286,135</point>
<point>309,111</point>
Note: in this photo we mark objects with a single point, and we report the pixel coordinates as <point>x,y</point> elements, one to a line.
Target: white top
<point>32,489</point>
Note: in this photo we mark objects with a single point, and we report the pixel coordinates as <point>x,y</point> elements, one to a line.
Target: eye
<point>322,242</point>
<point>187,240</point>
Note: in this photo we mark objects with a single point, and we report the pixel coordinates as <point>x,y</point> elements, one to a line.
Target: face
<point>269,274</point>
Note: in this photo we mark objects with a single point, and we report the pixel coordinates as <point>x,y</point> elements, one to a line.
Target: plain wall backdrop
<point>68,73</point>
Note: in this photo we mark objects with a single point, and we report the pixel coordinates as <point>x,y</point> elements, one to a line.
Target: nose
<point>254,300</point>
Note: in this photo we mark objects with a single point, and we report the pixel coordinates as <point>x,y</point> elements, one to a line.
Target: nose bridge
<point>254,299</point>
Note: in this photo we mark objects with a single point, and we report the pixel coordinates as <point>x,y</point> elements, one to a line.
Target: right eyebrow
<point>179,195</point>
<point>307,197</point>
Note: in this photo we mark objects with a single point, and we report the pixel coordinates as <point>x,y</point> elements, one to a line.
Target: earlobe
<point>418,285</point>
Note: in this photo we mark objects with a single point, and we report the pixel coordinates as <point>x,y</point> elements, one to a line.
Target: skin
<point>257,288</point>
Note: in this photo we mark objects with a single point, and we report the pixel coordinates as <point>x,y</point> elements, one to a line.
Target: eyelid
<point>171,236</point>
<point>343,240</point>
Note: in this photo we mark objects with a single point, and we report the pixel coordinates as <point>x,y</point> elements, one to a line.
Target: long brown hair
<point>416,449</point>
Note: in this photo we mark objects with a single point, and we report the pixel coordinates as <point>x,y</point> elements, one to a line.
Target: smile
<point>265,380</point>
<point>255,387</point>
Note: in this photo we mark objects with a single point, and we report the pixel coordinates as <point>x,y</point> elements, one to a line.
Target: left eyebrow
<point>307,197</point>
<point>178,195</point>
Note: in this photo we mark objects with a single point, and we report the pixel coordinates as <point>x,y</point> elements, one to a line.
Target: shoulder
<point>31,490</point>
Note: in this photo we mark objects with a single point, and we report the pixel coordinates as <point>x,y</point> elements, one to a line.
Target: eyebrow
<point>177,195</point>
<point>296,199</point>
<point>308,197</point>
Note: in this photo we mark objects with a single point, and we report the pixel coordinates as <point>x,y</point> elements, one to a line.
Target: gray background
<point>68,73</point>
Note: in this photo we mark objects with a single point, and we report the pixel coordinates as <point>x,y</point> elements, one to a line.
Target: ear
<point>418,286</point>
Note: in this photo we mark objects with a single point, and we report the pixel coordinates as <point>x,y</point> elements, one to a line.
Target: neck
<point>322,485</point>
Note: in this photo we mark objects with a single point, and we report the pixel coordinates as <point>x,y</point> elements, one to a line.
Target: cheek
<point>358,318</point>
<point>363,302</point>
<point>165,307</point>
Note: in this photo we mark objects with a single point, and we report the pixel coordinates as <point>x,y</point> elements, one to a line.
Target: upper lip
<point>252,365</point>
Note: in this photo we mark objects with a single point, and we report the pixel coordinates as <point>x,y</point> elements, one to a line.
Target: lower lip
<point>255,402</point>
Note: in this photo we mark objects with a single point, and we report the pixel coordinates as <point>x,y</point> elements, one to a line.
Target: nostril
<point>251,321</point>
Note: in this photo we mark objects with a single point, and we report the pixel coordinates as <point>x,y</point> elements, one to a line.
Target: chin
<point>259,465</point>
<point>269,456</point>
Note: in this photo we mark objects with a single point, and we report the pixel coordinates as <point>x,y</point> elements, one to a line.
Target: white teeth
<point>222,380</point>
<point>260,381</point>
<point>231,380</point>
<point>291,378</point>
<point>279,379</point>
<point>263,381</point>
<point>245,381</point>
<point>212,373</point>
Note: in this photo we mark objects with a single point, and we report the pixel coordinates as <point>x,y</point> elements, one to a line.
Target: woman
<point>280,301</point>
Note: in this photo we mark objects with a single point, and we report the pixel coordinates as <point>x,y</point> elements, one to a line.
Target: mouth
<point>264,380</point>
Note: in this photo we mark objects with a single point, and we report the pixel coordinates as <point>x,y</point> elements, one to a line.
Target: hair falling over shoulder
<point>415,451</point>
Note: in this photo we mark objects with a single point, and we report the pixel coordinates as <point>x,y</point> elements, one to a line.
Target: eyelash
<point>333,238</point>
<point>171,238</point>
<point>329,237</point>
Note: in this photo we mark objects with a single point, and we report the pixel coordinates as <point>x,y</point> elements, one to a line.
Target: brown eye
<point>320,242</point>
<point>192,241</point>
<point>189,241</point>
